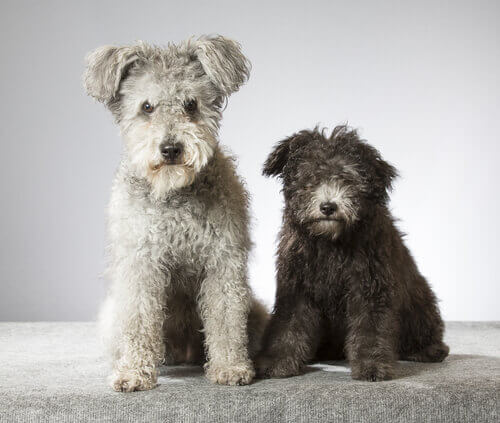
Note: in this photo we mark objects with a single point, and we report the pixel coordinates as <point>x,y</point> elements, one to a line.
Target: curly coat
<point>178,216</point>
<point>347,286</point>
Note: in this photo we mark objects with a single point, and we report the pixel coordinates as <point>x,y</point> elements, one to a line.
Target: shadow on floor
<point>338,369</point>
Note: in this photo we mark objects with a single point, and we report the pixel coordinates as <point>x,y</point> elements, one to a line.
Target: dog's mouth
<point>329,226</point>
<point>155,167</point>
<point>324,219</point>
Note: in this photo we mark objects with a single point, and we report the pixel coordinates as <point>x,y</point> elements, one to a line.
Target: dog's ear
<point>223,62</point>
<point>280,155</point>
<point>379,173</point>
<point>385,174</point>
<point>105,69</point>
<point>276,161</point>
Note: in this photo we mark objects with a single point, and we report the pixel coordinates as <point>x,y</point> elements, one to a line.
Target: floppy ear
<point>386,173</point>
<point>223,62</point>
<point>105,68</point>
<point>383,174</point>
<point>277,159</point>
<point>280,155</point>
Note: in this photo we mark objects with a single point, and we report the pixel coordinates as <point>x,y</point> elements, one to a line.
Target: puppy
<point>178,215</point>
<point>346,283</point>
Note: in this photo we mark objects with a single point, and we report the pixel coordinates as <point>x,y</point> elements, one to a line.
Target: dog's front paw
<point>230,374</point>
<point>133,380</point>
<point>371,371</point>
<point>270,367</point>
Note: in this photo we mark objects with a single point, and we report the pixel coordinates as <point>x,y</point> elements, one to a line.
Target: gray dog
<point>178,216</point>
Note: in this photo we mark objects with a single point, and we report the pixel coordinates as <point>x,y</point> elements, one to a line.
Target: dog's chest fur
<point>350,266</point>
<point>326,278</point>
<point>316,270</point>
<point>183,230</point>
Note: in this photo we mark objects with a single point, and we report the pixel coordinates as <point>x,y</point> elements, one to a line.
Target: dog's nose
<point>328,208</point>
<point>171,151</point>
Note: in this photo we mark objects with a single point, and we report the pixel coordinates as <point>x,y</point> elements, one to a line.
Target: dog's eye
<point>147,107</point>
<point>190,106</point>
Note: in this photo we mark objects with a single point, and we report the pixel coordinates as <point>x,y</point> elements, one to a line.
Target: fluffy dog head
<point>167,102</point>
<point>330,184</point>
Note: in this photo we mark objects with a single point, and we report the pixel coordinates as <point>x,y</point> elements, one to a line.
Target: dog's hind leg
<point>432,354</point>
<point>175,344</point>
<point>422,328</point>
<point>257,322</point>
<point>182,330</point>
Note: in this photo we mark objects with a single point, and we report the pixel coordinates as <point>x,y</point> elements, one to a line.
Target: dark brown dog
<point>347,285</point>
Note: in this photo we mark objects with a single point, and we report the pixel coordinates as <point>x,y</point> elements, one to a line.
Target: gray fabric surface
<point>55,372</point>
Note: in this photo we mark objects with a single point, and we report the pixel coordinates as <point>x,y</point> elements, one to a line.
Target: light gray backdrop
<point>420,79</point>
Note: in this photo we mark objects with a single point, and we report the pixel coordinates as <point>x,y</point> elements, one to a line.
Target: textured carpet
<point>54,372</point>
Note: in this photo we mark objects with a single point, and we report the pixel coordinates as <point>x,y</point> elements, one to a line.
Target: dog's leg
<point>225,302</point>
<point>434,353</point>
<point>257,321</point>
<point>139,286</point>
<point>175,344</point>
<point>291,338</point>
<point>372,334</point>
<point>422,327</point>
<point>183,336</point>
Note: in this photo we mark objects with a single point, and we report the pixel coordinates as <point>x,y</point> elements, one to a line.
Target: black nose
<point>328,208</point>
<point>171,151</point>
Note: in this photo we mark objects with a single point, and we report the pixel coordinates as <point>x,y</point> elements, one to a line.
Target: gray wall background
<point>419,79</point>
